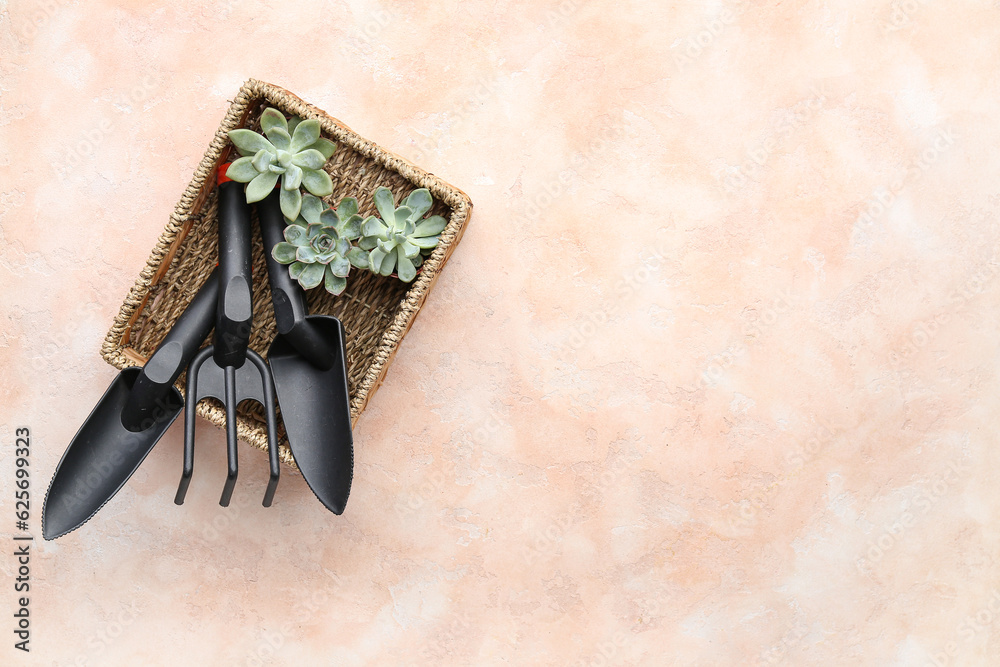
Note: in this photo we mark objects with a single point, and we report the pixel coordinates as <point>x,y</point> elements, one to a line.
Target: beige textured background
<point>711,379</point>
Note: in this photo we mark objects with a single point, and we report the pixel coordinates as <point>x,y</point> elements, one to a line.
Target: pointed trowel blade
<point>101,457</point>
<point>315,409</point>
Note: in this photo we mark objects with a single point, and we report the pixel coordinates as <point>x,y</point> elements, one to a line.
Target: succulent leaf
<point>280,138</point>
<point>402,217</point>
<point>317,182</point>
<point>261,161</point>
<point>325,147</point>
<point>405,269</point>
<point>312,208</point>
<point>341,266</point>
<point>296,269</point>
<point>261,186</point>
<point>312,275</point>
<point>306,254</point>
<point>419,202</point>
<point>284,252</point>
<point>334,284</point>
<point>291,202</point>
<point>351,228</point>
<point>296,235</point>
<point>248,142</point>
<point>385,204</point>
<point>358,258</point>
<point>375,258</point>
<point>347,208</point>
<point>309,158</point>
<point>242,170</point>
<point>424,242</point>
<point>410,250</point>
<point>388,263</point>
<point>305,135</point>
<point>272,118</point>
<point>431,226</point>
<point>292,179</point>
<point>373,227</point>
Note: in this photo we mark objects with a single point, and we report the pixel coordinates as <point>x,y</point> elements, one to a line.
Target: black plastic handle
<point>172,356</point>
<point>234,318</point>
<point>289,302</point>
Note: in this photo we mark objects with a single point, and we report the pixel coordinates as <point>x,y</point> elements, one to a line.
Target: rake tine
<point>272,430</point>
<point>190,407</point>
<point>231,451</point>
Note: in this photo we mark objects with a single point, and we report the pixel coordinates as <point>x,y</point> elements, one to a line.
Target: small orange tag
<point>221,176</point>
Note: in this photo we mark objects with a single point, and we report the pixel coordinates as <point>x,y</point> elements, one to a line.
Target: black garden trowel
<point>308,362</point>
<point>227,370</point>
<point>128,421</point>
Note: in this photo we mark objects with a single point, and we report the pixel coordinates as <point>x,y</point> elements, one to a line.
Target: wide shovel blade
<point>102,456</point>
<point>316,412</point>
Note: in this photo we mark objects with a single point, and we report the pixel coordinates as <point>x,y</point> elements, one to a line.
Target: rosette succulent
<point>292,151</point>
<point>318,246</point>
<point>400,239</point>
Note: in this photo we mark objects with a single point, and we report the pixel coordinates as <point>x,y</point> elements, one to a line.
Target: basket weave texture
<point>376,311</point>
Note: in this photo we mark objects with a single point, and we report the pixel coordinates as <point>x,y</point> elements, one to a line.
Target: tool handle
<point>234,317</point>
<point>289,302</point>
<point>172,356</point>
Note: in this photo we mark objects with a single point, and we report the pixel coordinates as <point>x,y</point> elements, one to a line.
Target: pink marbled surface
<point>711,379</point>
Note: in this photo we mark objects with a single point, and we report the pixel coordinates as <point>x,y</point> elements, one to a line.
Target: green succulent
<point>292,150</point>
<point>318,246</point>
<point>400,239</point>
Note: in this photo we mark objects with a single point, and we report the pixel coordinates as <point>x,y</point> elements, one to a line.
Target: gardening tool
<point>308,362</point>
<point>127,422</point>
<point>220,370</point>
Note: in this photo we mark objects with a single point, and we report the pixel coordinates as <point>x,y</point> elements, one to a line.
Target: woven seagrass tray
<point>376,311</point>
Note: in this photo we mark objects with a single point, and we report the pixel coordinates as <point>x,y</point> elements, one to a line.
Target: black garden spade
<point>128,421</point>
<point>308,363</point>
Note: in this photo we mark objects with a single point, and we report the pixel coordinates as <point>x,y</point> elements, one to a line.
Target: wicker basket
<point>376,311</point>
